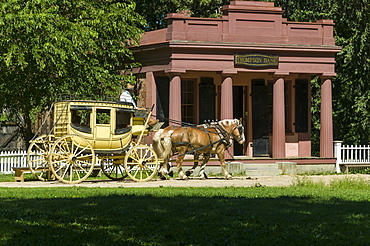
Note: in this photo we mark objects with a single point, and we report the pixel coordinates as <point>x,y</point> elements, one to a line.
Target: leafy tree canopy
<point>155,11</point>
<point>51,47</point>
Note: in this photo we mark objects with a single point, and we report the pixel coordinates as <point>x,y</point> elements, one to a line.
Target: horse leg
<point>202,174</point>
<point>221,157</point>
<point>191,170</point>
<point>169,169</point>
<point>163,169</point>
<point>179,160</point>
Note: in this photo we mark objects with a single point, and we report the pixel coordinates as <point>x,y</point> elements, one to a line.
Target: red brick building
<point>251,63</point>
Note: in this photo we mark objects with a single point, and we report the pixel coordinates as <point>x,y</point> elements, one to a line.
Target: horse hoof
<point>163,178</point>
<point>203,178</point>
<point>229,178</point>
<point>185,178</point>
<point>187,173</point>
<point>170,174</point>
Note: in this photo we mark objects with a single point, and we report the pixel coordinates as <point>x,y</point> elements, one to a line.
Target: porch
<point>266,166</point>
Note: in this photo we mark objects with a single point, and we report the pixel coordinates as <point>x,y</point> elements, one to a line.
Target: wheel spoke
<point>78,174</point>
<point>137,170</point>
<point>64,146</point>
<point>80,158</point>
<point>39,148</point>
<point>37,154</point>
<point>148,167</point>
<point>82,150</point>
<point>78,164</point>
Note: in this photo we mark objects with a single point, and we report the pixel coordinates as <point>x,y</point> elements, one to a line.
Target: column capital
<point>174,72</point>
<point>280,74</point>
<point>229,72</point>
<point>327,75</point>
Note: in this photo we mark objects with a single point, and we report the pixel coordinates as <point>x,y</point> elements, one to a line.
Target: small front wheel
<point>141,163</point>
<point>113,168</point>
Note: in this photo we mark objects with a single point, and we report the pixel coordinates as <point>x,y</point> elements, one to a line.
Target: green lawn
<point>304,214</point>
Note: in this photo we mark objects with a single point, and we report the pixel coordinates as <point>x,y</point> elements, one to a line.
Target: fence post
<point>338,154</point>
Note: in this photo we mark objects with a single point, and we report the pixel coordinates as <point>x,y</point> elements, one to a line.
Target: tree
<point>155,11</point>
<point>50,47</point>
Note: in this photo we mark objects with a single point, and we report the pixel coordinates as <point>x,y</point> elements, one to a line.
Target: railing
<point>9,159</point>
<point>351,155</point>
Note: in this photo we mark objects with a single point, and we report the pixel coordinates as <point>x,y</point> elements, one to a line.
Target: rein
<point>195,150</point>
<point>220,131</point>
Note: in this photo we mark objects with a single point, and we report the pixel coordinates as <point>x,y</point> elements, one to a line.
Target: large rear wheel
<point>141,163</point>
<point>38,157</point>
<point>72,159</point>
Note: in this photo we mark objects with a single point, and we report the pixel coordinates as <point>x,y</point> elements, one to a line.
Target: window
<point>207,99</point>
<point>122,121</point>
<point>102,116</point>
<point>162,100</point>
<point>80,119</point>
<point>188,101</point>
<point>301,107</point>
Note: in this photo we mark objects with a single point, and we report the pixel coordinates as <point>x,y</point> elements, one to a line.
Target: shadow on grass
<point>118,217</point>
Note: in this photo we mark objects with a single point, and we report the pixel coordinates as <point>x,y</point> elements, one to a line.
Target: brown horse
<point>209,139</point>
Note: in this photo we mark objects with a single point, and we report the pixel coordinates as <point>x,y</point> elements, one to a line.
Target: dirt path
<point>271,181</point>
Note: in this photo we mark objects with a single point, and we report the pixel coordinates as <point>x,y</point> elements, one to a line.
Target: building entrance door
<point>260,118</point>
<point>239,107</point>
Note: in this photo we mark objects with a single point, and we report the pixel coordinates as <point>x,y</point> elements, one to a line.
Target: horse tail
<point>157,144</point>
<point>167,145</point>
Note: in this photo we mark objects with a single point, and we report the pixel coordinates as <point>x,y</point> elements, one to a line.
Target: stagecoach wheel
<point>141,163</point>
<point>38,157</point>
<point>72,159</point>
<point>113,168</point>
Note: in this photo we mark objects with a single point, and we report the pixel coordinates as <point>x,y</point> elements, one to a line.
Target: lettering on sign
<point>256,60</point>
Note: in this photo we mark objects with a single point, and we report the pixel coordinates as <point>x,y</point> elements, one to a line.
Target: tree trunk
<point>26,129</point>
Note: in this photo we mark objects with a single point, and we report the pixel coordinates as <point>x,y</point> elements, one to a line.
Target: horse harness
<point>222,133</point>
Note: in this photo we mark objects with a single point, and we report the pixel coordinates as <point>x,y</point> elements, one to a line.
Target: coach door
<point>103,128</point>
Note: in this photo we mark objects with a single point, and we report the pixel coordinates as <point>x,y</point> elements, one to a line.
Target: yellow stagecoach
<point>90,134</point>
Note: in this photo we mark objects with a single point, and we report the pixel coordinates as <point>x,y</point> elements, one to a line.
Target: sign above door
<point>256,60</point>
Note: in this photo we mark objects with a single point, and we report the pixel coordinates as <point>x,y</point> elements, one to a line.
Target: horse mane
<point>228,122</point>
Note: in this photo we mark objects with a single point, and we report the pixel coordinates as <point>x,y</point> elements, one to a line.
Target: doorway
<point>239,107</point>
<point>261,120</point>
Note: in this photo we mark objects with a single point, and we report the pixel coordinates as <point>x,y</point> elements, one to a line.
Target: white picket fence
<point>345,155</point>
<point>355,155</point>
<point>9,159</point>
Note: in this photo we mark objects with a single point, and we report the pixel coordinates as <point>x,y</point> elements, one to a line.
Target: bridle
<point>240,129</point>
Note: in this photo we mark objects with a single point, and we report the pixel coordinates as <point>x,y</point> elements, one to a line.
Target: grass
<point>306,213</point>
<point>31,177</point>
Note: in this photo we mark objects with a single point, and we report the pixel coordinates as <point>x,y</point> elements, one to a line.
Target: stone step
<point>268,169</point>
<point>262,169</point>
<point>269,166</point>
<point>265,172</point>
